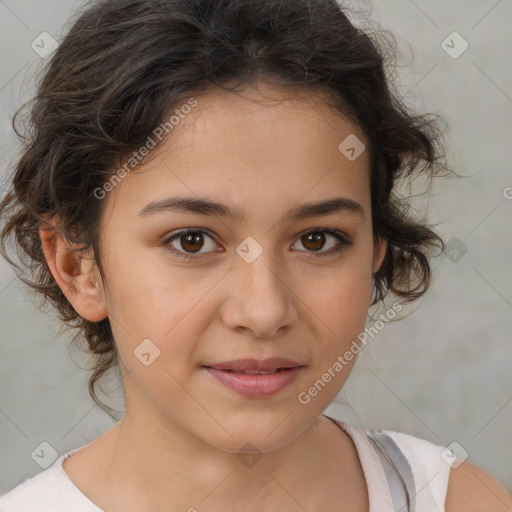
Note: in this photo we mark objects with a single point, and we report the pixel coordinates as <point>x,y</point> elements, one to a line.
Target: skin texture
<point>262,152</point>
<point>470,489</point>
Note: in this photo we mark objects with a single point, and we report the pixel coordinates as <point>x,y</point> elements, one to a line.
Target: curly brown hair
<point>124,63</point>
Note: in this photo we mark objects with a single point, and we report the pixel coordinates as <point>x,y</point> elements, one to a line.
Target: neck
<point>147,460</point>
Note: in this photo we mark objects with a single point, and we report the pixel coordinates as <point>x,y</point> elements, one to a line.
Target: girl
<point>266,134</point>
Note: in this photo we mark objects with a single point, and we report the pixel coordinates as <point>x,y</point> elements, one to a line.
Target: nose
<point>260,300</point>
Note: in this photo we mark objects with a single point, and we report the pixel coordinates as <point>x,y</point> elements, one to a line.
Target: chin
<point>255,433</point>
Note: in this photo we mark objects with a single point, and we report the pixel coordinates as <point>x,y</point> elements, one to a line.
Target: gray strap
<point>397,469</point>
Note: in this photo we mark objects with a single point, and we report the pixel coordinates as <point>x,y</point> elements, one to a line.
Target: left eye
<point>192,241</point>
<point>316,238</point>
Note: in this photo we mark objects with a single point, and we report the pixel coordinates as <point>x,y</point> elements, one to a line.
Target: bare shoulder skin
<point>471,489</point>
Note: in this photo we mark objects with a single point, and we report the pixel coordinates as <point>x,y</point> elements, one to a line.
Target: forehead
<point>259,112</point>
<point>266,144</point>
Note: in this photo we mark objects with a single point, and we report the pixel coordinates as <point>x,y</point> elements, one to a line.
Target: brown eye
<point>189,242</point>
<point>315,240</point>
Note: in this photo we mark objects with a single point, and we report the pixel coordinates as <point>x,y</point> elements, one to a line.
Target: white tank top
<point>403,473</point>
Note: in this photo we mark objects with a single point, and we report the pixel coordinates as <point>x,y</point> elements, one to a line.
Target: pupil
<point>191,239</point>
<point>317,238</point>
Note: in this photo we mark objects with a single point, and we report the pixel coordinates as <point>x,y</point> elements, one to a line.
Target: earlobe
<point>74,273</point>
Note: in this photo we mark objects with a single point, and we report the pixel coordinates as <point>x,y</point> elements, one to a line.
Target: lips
<point>253,378</point>
<point>254,366</point>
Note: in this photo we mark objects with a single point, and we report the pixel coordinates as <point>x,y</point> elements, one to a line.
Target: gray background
<point>443,373</point>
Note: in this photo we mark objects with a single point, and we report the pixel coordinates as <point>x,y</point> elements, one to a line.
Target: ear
<point>74,272</point>
<point>379,252</point>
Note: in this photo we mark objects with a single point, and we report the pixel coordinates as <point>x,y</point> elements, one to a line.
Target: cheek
<point>339,314</point>
<point>338,309</point>
<point>151,300</point>
<point>340,298</point>
<point>143,289</point>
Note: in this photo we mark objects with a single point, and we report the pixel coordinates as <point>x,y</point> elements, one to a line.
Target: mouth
<point>263,366</point>
<point>253,372</point>
<point>253,378</point>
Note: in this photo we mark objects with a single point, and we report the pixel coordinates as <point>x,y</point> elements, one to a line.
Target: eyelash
<point>341,237</point>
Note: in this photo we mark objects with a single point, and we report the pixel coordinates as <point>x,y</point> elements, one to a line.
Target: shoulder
<point>41,492</point>
<point>471,489</point>
<point>421,467</point>
<point>460,488</point>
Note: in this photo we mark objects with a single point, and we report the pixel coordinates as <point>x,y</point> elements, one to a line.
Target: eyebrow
<point>208,207</point>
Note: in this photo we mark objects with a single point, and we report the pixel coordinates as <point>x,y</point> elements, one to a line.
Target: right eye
<point>190,239</point>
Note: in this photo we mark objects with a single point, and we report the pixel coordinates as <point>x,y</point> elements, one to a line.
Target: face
<point>267,282</point>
